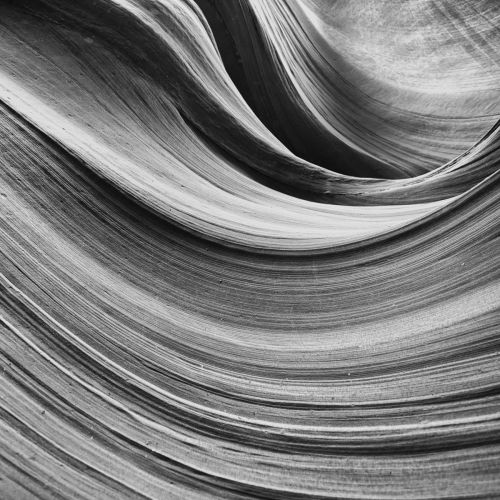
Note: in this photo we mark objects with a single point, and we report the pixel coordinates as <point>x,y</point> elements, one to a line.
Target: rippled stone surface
<point>249,249</point>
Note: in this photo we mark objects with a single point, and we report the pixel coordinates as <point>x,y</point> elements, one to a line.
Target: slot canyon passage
<point>249,249</point>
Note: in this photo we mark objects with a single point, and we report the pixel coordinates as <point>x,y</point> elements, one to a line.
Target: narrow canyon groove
<point>249,249</point>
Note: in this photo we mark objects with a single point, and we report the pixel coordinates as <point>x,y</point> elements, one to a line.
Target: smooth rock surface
<point>249,249</point>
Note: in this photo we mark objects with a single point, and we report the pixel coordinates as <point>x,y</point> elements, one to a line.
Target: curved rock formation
<point>249,249</point>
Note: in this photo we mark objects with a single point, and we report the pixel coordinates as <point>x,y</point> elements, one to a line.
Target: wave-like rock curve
<point>249,249</point>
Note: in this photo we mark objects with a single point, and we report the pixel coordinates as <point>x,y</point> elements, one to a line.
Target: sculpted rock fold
<point>241,260</point>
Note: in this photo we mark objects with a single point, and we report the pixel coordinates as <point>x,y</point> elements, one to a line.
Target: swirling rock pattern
<point>249,249</point>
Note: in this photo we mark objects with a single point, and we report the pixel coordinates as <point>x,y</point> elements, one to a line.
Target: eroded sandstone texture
<point>249,249</point>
